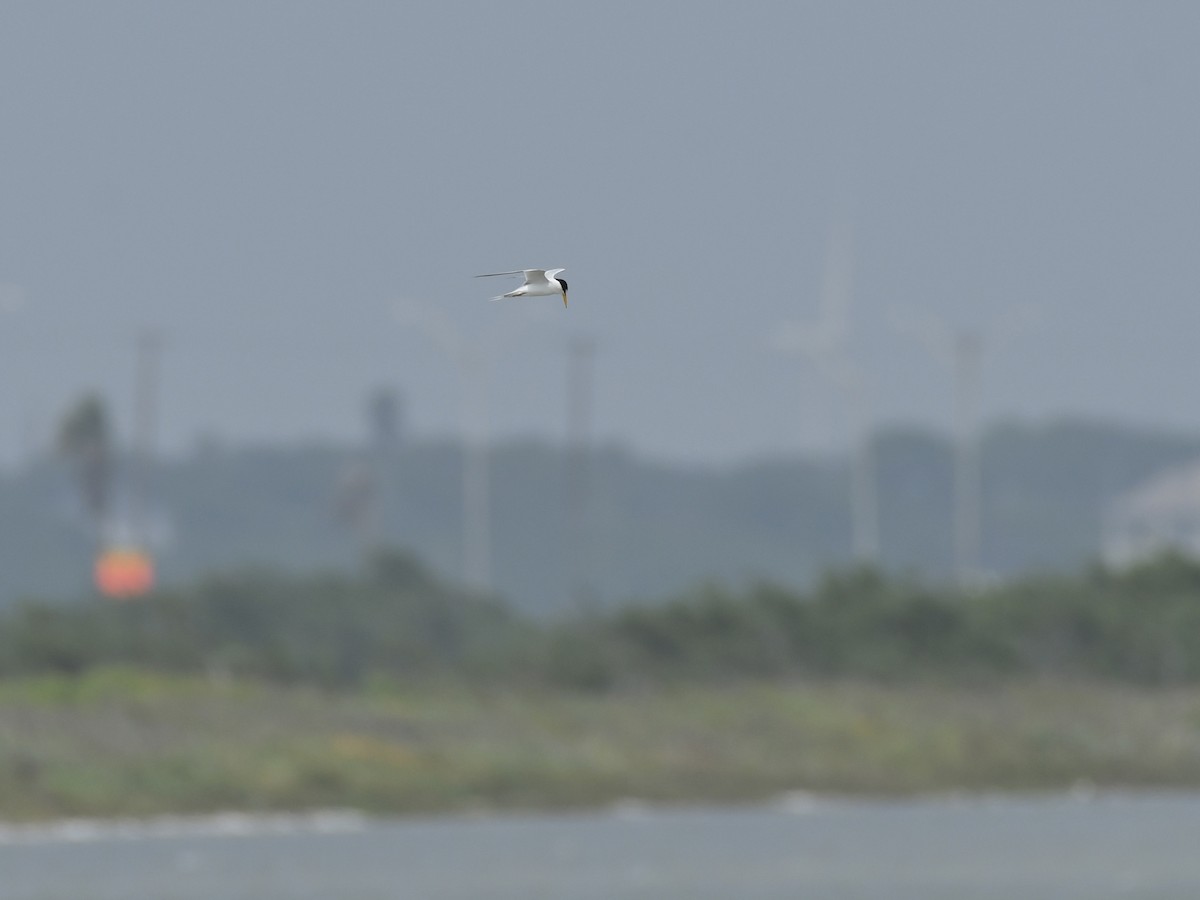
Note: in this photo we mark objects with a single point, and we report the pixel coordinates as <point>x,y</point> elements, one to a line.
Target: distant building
<point>1159,515</point>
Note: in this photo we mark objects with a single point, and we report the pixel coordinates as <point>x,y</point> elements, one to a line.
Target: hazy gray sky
<point>263,181</point>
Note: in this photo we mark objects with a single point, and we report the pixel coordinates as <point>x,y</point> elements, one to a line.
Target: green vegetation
<point>123,742</point>
<point>1140,627</point>
<point>399,622</point>
<point>395,692</point>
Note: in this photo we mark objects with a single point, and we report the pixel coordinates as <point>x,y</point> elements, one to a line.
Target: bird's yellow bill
<point>564,299</point>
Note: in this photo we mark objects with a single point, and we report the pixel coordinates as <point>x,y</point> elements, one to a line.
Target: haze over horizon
<point>263,182</point>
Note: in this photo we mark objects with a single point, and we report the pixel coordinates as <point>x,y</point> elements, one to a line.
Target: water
<point>1057,847</point>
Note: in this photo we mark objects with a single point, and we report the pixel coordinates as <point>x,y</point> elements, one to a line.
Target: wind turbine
<point>12,299</point>
<point>825,343</point>
<point>962,350</point>
<point>580,363</point>
<point>473,359</point>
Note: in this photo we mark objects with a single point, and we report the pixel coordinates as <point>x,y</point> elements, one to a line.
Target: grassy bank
<point>122,742</point>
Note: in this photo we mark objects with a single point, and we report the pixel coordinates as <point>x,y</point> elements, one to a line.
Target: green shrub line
<point>398,623</point>
<point>394,692</point>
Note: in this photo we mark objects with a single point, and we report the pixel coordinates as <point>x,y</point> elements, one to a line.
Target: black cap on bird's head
<point>563,282</point>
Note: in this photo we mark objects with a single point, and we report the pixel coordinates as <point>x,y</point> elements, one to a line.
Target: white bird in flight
<point>538,283</point>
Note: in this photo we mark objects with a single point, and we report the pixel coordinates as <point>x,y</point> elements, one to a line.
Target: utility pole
<point>12,299</point>
<point>384,430</point>
<point>580,362</point>
<point>146,387</point>
<point>477,490</point>
<point>967,362</point>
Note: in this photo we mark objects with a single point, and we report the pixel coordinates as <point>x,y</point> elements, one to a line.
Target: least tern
<point>538,283</point>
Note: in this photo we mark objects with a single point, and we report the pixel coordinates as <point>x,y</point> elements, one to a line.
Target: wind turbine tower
<point>825,343</point>
<point>473,359</point>
<point>581,356</point>
<point>962,350</point>
<point>966,360</point>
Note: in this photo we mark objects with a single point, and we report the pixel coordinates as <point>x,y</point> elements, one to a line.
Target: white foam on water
<point>800,803</point>
<point>224,824</point>
<point>630,808</point>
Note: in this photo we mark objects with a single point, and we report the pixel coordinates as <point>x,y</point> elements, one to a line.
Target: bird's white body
<point>538,283</point>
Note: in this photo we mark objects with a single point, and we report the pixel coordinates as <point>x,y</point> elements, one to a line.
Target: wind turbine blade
<point>838,284</point>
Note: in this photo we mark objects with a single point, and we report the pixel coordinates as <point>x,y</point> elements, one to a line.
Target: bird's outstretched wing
<point>551,273</point>
<point>533,277</point>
